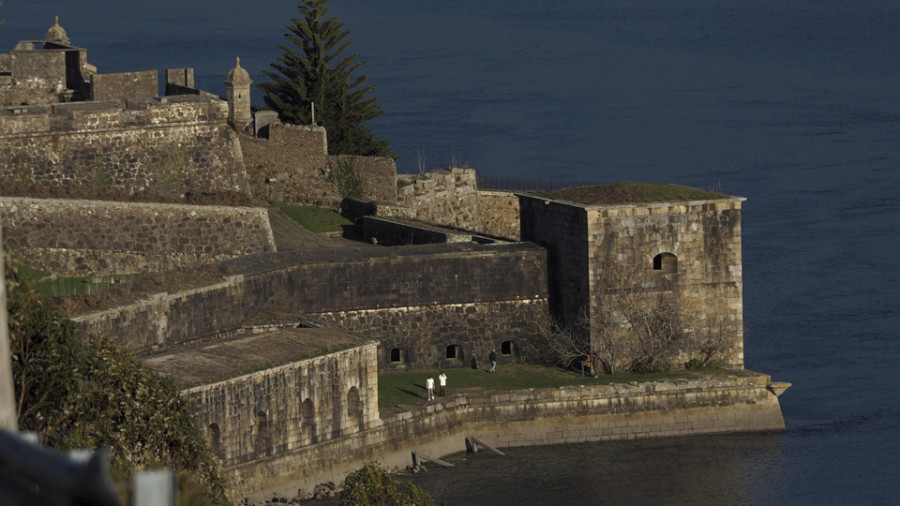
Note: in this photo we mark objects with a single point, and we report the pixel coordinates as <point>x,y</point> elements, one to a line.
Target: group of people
<point>442,379</point>
<point>429,385</point>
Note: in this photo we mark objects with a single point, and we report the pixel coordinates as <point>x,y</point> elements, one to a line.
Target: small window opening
<point>665,262</point>
<point>398,355</point>
<point>454,351</point>
<point>507,348</point>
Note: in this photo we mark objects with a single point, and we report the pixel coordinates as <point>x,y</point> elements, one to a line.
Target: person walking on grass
<point>429,387</point>
<point>493,358</point>
<point>442,382</point>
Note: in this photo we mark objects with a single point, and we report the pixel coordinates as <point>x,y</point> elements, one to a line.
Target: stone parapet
<point>523,418</point>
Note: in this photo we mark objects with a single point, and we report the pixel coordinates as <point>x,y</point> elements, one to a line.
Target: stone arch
<point>665,262</point>
<point>354,406</point>
<point>263,436</point>
<point>308,418</point>
<point>215,435</point>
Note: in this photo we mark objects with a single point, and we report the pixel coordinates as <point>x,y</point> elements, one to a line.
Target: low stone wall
<point>523,418</point>
<point>443,197</point>
<point>87,236</point>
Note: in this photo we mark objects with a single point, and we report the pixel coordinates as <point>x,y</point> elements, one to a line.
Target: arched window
<point>454,351</point>
<point>354,407</point>
<point>398,356</point>
<point>665,262</point>
<point>508,348</point>
<point>263,441</point>
<point>215,436</point>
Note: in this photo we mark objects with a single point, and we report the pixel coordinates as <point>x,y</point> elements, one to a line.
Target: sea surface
<point>794,104</point>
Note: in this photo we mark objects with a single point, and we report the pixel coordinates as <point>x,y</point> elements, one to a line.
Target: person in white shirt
<point>442,381</point>
<point>429,386</point>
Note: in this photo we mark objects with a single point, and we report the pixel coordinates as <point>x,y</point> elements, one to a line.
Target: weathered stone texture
<point>443,197</point>
<point>522,418</point>
<point>592,247</point>
<point>499,212</point>
<point>95,237</point>
<point>277,411</point>
<point>464,290</point>
<point>120,86</point>
<point>168,146</point>
<point>293,165</point>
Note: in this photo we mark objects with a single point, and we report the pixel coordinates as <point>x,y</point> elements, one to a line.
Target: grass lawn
<point>408,387</point>
<point>316,219</point>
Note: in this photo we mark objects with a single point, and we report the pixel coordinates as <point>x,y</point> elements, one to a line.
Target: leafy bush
<point>97,395</point>
<point>373,485</point>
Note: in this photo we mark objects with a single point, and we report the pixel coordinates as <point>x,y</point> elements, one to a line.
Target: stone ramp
<point>292,236</point>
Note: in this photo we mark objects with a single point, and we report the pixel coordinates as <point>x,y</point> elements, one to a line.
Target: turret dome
<point>238,76</point>
<point>57,34</point>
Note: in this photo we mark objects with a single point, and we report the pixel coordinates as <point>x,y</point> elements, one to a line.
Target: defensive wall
<point>692,249</point>
<point>91,237</point>
<point>566,415</point>
<point>168,145</point>
<point>429,306</point>
<point>282,409</point>
<point>290,163</point>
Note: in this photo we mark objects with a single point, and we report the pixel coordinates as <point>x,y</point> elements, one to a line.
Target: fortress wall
<point>454,294</point>
<point>441,197</point>
<point>86,236</point>
<point>122,85</point>
<point>562,229</point>
<point>499,213</point>
<point>567,415</point>
<point>36,76</point>
<point>167,146</point>
<point>293,165</point>
<point>704,236</point>
<point>278,410</point>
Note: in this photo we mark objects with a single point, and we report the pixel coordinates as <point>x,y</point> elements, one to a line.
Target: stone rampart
<point>293,165</point>
<point>168,145</point>
<point>95,237</point>
<point>278,410</point>
<point>567,415</point>
<point>422,301</point>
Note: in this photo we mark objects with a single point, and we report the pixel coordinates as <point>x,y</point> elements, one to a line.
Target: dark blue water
<point>794,104</point>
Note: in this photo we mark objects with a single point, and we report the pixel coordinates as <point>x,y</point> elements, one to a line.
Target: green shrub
<point>373,485</point>
<point>97,395</point>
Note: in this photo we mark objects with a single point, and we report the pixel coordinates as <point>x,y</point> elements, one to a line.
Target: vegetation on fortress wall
<point>314,69</point>
<point>373,485</point>
<point>627,192</point>
<point>97,395</point>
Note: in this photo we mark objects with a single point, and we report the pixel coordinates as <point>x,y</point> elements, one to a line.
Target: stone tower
<point>238,85</point>
<point>57,34</point>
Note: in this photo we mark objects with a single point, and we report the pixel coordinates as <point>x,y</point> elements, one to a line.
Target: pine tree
<point>314,69</point>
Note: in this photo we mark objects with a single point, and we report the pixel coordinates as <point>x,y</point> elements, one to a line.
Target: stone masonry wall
<point>441,197</point>
<point>94,237</point>
<point>34,76</point>
<point>169,145</point>
<point>293,166</point>
<point>276,411</point>
<point>499,212</point>
<point>593,248</point>
<point>703,236</point>
<point>523,418</point>
<point>120,86</point>
<point>463,294</point>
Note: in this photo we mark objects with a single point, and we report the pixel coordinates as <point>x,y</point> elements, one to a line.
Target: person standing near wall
<point>493,358</point>
<point>442,381</point>
<point>429,387</point>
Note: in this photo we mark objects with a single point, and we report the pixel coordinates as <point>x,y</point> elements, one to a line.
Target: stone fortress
<point>279,360</point>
